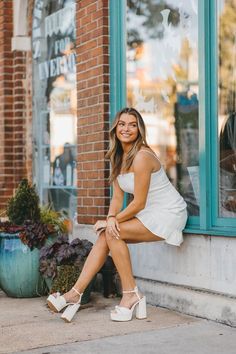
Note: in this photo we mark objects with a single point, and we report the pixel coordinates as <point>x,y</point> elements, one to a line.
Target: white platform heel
<point>71,310</point>
<point>56,303</point>
<point>123,314</point>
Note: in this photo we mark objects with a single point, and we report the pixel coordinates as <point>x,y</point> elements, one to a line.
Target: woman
<point>156,213</point>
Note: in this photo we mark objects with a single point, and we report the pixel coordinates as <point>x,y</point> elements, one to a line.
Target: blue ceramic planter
<point>19,268</point>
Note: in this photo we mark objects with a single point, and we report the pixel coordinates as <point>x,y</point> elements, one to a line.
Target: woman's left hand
<point>113,227</point>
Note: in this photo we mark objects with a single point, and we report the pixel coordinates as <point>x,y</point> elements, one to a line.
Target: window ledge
<point>213,232</point>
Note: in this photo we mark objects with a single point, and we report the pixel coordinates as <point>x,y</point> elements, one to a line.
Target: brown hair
<point>115,152</point>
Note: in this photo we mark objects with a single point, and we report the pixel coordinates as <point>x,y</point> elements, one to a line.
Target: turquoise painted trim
<point>225,232</point>
<point>210,223</point>
<point>204,110</point>
<point>214,114</point>
<point>217,221</point>
<point>117,56</point>
<point>226,222</point>
<point>193,221</point>
<point>117,13</point>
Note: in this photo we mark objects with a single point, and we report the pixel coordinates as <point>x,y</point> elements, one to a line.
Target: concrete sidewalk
<point>27,326</point>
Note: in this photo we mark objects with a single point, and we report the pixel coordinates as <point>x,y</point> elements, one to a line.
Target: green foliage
<point>35,234</point>
<point>63,252</point>
<point>66,278</point>
<point>24,205</point>
<point>54,218</point>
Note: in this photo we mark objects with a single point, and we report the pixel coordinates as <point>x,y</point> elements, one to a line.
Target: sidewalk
<point>27,326</point>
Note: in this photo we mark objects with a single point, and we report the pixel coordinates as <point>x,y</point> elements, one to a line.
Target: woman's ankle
<point>71,296</point>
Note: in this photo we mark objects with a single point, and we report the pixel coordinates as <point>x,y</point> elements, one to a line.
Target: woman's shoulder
<point>145,152</point>
<point>147,157</point>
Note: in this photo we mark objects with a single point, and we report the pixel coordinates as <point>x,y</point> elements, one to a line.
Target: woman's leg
<point>92,265</point>
<point>132,231</point>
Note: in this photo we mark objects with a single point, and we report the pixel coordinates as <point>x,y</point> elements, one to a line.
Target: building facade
<point>67,66</point>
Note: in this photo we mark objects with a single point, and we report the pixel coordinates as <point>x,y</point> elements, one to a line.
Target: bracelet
<point>110,216</point>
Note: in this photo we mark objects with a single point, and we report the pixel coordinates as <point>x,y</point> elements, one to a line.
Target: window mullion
<point>117,55</point>
<point>204,113</point>
<point>214,113</point>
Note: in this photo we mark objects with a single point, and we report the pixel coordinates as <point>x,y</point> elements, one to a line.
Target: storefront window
<point>54,103</point>
<point>227,107</point>
<point>162,83</point>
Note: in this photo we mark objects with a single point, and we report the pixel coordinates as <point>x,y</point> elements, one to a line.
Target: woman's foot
<point>72,296</point>
<point>129,299</point>
<point>57,302</point>
<point>74,305</point>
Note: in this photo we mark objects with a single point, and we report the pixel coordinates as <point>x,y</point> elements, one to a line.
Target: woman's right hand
<point>100,224</point>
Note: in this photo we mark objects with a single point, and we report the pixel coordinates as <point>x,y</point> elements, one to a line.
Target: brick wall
<point>12,127</point>
<point>6,103</point>
<point>19,118</point>
<point>93,109</point>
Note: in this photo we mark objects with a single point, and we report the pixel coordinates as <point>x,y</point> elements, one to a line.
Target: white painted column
<point>20,40</point>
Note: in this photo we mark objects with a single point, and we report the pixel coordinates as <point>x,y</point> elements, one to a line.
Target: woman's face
<point>127,129</point>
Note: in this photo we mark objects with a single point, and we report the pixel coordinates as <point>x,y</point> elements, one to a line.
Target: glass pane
<point>227,107</point>
<point>162,83</point>
<point>54,105</point>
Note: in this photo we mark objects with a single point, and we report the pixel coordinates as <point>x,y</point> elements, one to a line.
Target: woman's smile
<point>125,135</point>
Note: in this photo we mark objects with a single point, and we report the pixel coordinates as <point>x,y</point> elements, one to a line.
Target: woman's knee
<point>108,236</point>
<point>111,237</point>
<point>102,241</point>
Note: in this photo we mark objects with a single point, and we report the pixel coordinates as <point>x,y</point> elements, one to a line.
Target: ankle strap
<point>135,290</point>
<point>80,294</point>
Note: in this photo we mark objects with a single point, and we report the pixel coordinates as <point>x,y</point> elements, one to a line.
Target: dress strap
<point>150,153</point>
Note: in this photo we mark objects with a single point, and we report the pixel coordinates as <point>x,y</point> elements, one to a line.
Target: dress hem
<point>165,238</point>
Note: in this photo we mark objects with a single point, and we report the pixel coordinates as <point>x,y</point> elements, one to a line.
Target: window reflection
<point>162,83</point>
<point>227,107</point>
<point>55,121</point>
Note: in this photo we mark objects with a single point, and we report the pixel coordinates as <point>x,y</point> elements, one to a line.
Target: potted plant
<point>61,263</point>
<point>28,228</point>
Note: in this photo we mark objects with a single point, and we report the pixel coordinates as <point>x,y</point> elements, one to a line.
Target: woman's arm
<point>143,166</point>
<point>117,199</point>
<point>115,206</point>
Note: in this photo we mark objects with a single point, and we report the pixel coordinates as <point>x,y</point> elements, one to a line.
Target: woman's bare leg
<point>132,231</point>
<point>92,265</point>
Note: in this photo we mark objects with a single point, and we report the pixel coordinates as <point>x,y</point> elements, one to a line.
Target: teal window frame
<point>208,222</point>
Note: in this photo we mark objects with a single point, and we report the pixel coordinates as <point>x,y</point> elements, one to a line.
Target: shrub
<point>24,205</point>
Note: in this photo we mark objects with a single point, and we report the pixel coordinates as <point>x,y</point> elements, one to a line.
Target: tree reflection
<point>153,18</point>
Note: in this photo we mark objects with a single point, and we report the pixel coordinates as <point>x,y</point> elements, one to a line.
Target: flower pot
<point>19,268</point>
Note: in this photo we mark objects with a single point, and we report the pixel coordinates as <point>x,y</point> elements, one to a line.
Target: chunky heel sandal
<point>71,310</point>
<point>56,303</point>
<point>124,314</point>
<point>141,309</point>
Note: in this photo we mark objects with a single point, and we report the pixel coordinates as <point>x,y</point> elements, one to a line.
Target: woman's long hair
<point>115,152</point>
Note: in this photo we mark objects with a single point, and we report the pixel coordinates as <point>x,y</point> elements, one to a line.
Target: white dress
<point>165,212</point>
